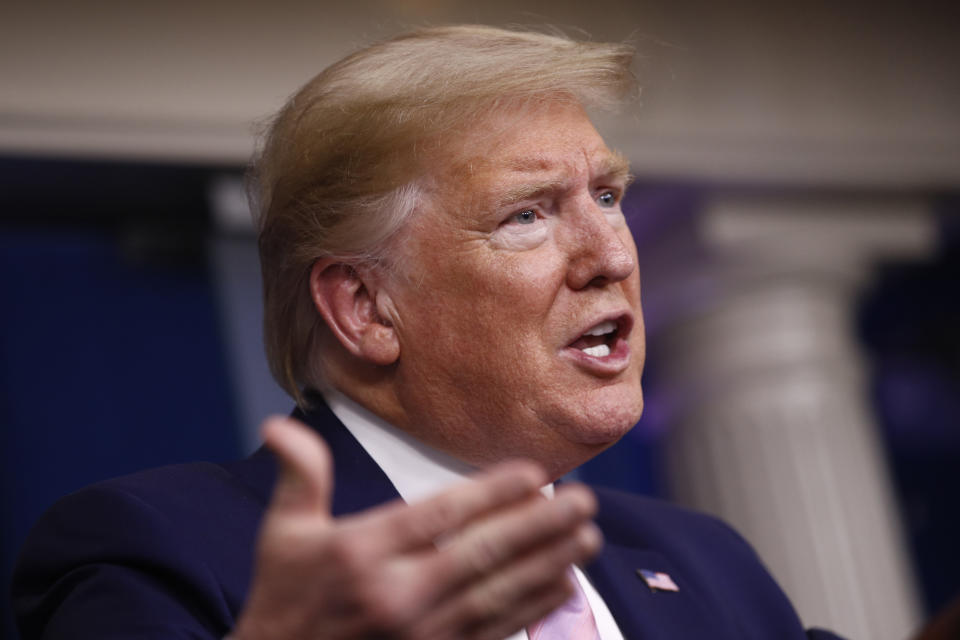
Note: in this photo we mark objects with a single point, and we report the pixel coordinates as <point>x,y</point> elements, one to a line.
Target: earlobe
<point>355,310</point>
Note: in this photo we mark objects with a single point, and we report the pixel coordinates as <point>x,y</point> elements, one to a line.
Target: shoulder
<point>141,550</point>
<point>704,555</point>
<point>626,515</point>
<point>689,537</point>
<point>188,502</point>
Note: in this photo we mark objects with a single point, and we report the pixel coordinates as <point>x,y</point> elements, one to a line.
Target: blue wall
<point>110,351</point>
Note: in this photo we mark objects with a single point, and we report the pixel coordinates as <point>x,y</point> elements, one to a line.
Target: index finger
<point>414,526</point>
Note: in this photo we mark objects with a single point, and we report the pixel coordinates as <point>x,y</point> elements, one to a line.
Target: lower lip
<point>610,365</point>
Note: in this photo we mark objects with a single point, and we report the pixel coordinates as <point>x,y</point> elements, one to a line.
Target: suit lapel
<point>641,612</point>
<point>359,483</point>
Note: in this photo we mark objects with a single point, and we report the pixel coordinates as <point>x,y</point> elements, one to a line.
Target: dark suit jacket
<point>167,553</point>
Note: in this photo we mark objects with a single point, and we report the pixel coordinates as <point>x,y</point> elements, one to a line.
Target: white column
<point>751,333</point>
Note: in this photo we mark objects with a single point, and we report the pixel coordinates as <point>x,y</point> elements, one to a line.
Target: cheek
<point>517,282</point>
<point>478,302</point>
<point>514,308</point>
<point>494,318</point>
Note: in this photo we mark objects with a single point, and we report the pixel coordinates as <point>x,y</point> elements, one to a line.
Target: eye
<point>607,199</point>
<point>527,216</point>
<point>521,231</point>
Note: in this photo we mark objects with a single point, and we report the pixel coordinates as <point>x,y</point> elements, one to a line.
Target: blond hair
<point>337,173</point>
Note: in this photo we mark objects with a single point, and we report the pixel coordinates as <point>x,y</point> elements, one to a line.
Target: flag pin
<point>658,580</point>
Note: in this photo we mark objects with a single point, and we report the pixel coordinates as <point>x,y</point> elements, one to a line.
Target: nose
<point>601,250</point>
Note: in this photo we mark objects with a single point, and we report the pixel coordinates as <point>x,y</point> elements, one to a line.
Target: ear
<point>351,305</point>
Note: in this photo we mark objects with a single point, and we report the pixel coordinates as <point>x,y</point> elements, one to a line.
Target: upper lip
<point>622,319</point>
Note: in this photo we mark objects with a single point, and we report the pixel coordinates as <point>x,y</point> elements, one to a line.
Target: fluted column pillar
<point>751,307</point>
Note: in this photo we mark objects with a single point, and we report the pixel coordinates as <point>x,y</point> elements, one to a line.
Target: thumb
<point>305,473</point>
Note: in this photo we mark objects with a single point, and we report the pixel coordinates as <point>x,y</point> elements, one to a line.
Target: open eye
<point>608,199</point>
<point>527,216</point>
<point>523,230</point>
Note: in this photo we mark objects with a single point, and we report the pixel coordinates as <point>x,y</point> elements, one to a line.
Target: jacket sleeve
<point>103,563</point>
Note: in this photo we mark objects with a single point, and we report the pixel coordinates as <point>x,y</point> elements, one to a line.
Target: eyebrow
<point>529,191</point>
<point>613,166</point>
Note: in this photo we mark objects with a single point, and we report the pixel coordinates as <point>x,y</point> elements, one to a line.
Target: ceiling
<point>861,94</point>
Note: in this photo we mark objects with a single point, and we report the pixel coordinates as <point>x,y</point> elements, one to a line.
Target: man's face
<point>518,305</point>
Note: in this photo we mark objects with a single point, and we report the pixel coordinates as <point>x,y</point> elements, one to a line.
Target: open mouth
<point>600,340</point>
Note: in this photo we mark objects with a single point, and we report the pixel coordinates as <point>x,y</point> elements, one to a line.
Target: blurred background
<point>797,212</point>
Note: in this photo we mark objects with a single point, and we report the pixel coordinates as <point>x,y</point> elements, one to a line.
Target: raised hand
<point>480,560</point>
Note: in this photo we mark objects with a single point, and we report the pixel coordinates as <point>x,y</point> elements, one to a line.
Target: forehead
<point>552,140</point>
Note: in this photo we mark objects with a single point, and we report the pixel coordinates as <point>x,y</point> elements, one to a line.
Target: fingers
<point>422,524</point>
<point>499,539</point>
<point>523,613</point>
<point>519,592</point>
<point>304,480</point>
<point>532,608</point>
<point>502,564</point>
<point>505,559</point>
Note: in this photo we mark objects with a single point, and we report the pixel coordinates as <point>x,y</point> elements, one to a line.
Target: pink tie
<point>572,620</point>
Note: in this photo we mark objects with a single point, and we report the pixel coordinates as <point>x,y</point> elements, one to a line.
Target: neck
<point>476,432</point>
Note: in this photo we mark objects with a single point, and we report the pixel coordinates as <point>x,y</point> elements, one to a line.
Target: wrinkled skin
<point>520,249</point>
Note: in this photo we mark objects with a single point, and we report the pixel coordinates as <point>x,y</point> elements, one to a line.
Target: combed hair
<point>338,169</point>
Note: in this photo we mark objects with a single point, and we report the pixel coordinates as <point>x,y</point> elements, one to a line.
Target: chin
<point>601,422</point>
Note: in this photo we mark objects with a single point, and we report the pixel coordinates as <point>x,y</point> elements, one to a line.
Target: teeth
<point>602,328</point>
<point>599,351</point>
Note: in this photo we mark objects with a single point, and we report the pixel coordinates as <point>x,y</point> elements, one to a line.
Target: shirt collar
<point>416,470</point>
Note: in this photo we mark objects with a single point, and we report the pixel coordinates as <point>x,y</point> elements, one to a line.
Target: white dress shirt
<point>418,471</point>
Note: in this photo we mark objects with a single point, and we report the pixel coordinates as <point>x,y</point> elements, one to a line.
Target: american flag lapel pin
<point>658,580</point>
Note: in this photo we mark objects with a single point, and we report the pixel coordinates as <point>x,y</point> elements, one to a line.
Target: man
<point>450,290</point>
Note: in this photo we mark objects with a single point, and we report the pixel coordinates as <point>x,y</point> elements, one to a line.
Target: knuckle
<point>582,500</point>
<point>483,553</point>
<point>442,515</point>
<point>490,599</point>
<point>346,558</point>
<point>570,509</point>
<point>589,501</point>
<point>589,539</point>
